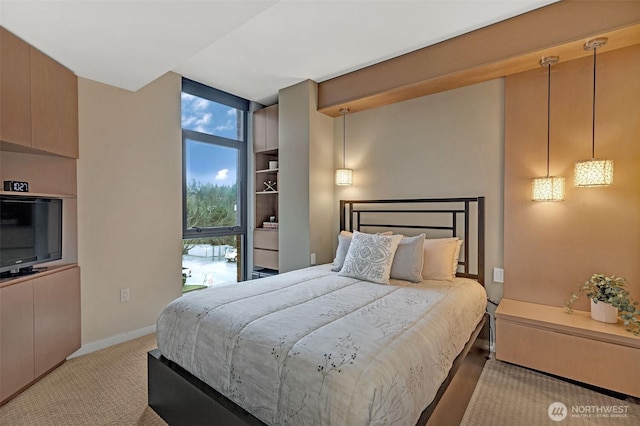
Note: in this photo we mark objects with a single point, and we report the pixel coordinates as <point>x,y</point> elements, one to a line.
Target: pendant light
<point>594,172</point>
<point>548,188</point>
<point>344,176</point>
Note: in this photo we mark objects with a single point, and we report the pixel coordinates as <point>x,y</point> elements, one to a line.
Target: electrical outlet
<point>498,275</point>
<point>124,294</point>
<point>313,258</point>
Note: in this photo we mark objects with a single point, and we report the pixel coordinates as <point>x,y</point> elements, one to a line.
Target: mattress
<point>310,347</point>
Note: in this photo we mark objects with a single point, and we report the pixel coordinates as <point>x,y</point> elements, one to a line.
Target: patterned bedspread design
<point>312,348</point>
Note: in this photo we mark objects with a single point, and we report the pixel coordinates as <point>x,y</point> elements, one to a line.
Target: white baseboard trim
<point>114,340</point>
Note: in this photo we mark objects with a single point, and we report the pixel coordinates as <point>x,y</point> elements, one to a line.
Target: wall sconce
<point>344,176</point>
<point>548,188</point>
<point>594,172</point>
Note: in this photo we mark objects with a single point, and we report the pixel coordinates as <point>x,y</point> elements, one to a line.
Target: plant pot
<point>604,312</point>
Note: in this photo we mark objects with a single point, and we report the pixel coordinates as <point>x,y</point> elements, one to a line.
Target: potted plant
<point>609,292</point>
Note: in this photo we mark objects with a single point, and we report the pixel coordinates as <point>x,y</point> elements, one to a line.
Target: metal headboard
<point>358,214</point>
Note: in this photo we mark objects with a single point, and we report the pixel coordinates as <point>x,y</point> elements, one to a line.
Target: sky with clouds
<point>208,163</point>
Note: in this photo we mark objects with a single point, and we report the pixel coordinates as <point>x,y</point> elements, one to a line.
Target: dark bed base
<point>182,399</point>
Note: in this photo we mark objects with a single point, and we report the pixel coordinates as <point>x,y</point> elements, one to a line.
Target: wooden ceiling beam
<point>508,47</point>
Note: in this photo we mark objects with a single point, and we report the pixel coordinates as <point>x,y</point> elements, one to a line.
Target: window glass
<point>213,118</point>
<point>207,262</point>
<point>212,194</point>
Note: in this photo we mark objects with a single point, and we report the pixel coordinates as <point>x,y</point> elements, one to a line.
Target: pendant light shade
<point>344,176</point>
<point>548,188</point>
<point>593,172</point>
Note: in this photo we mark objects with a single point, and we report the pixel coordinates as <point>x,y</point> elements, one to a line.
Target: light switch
<point>498,275</point>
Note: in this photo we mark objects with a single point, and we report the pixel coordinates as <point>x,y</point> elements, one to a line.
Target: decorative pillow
<point>344,241</point>
<point>370,257</point>
<point>408,260</point>
<point>456,257</point>
<point>438,258</point>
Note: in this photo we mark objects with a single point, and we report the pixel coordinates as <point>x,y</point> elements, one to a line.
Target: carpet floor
<point>510,395</point>
<point>109,387</point>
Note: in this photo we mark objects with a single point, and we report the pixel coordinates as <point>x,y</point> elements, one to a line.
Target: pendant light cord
<point>593,110</point>
<point>344,139</point>
<point>548,116</point>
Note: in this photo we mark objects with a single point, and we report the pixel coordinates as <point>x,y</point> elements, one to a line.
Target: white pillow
<point>439,254</point>
<point>344,241</point>
<point>456,257</point>
<point>370,257</point>
<point>408,260</point>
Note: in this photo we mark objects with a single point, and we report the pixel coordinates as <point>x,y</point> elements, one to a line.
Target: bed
<point>324,347</point>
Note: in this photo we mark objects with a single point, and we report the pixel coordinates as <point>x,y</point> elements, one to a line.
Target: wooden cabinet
<point>259,130</point>
<point>265,248</point>
<point>265,259</point>
<point>39,314</point>
<point>39,326</point>
<point>574,346</point>
<point>56,305</point>
<point>265,241</point>
<point>265,126</point>
<point>54,106</point>
<point>16,338</point>
<point>271,128</point>
<point>15,90</point>
<point>38,99</point>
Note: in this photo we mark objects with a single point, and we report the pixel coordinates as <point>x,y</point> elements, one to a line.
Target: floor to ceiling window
<point>214,151</point>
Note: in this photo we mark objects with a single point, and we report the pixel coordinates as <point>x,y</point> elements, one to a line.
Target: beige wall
<point>129,204</point>
<point>305,179</point>
<point>321,181</point>
<point>551,247</point>
<point>293,177</point>
<point>448,144</point>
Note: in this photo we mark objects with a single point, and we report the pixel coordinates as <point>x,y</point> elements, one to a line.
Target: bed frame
<point>182,399</point>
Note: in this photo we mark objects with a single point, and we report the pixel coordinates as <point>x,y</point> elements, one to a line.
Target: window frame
<point>242,105</point>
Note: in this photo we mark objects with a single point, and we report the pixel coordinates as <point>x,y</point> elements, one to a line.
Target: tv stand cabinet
<point>39,314</point>
<point>39,325</point>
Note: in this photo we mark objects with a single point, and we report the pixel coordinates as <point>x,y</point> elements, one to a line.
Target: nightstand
<point>573,346</point>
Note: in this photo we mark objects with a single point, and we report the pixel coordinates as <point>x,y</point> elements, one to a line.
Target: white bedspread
<point>310,347</point>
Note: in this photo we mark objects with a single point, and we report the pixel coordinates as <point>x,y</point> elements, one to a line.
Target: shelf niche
<point>265,240</point>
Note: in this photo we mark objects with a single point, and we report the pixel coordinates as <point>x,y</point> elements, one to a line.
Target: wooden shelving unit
<point>265,241</point>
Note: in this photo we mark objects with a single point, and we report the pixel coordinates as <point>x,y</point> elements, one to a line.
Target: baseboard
<point>114,340</point>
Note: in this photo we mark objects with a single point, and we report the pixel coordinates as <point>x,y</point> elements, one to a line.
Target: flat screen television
<point>30,232</point>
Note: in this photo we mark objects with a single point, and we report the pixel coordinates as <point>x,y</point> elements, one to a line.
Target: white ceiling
<point>248,48</point>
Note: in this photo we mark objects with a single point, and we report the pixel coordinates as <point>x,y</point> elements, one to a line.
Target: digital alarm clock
<point>16,186</point>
